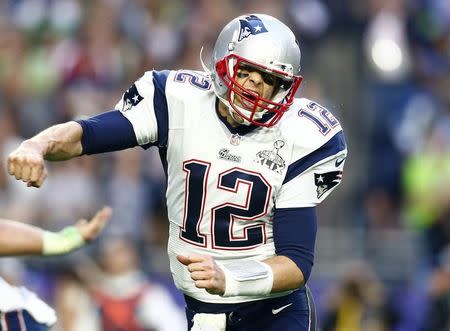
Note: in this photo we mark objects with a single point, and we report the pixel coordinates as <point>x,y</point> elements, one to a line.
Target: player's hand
<point>26,163</point>
<point>90,230</point>
<point>205,272</point>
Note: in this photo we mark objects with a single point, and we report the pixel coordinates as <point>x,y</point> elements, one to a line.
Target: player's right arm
<point>140,118</point>
<point>59,142</point>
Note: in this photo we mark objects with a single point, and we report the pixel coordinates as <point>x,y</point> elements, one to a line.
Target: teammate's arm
<point>23,239</point>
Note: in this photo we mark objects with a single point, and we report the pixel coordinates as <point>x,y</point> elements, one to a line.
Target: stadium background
<point>382,67</point>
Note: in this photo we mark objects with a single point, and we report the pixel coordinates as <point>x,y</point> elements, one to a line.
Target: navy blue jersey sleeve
<point>107,132</point>
<point>294,232</point>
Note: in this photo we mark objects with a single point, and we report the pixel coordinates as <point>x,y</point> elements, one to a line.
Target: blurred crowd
<point>381,66</point>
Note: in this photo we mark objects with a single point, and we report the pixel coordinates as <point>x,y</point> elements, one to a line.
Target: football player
<point>21,309</point>
<point>246,163</point>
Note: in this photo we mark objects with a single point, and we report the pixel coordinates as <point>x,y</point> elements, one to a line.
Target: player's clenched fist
<point>205,272</point>
<point>26,163</point>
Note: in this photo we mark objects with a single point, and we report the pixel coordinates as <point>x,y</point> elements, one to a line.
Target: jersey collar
<point>241,129</point>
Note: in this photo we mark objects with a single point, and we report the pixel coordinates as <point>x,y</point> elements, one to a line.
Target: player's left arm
<point>23,239</point>
<point>308,182</point>
<point>294,231</point>
<point>286,274</point>
<point>294,236</point>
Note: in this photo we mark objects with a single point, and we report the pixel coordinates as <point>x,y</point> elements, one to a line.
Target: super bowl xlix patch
<point>271,158</point>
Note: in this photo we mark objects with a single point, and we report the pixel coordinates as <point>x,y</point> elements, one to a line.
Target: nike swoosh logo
<point>339,162</point>
<point>276,311</point>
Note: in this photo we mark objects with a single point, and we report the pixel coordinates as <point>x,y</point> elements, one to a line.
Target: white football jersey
<point>224,183</point>
<point>19,298</point>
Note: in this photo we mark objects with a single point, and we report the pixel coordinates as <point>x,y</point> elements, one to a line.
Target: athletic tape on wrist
<point>61,242</point>
<point>249,277</point>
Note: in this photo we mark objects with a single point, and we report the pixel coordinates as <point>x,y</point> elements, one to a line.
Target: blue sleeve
<point>294,233</point>
<point>107,132</point>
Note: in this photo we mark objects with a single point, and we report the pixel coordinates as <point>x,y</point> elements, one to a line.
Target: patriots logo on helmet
<point>326,181</point>
<point>131,98</point>
<point>251,25</point>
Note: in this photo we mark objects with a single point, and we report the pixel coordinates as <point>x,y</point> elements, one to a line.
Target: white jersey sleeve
<point>144,105</point>
<point>317,166</point>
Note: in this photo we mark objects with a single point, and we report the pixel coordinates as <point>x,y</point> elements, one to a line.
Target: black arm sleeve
<point>294,233</point>
<point>107,132</point>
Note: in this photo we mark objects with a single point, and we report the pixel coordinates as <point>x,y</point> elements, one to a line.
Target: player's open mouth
<point>247,100</point>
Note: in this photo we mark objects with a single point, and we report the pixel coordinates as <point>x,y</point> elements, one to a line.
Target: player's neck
<point>223,111</point>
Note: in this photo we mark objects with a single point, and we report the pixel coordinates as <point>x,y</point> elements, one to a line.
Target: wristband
<point>249,278</point>
<point>64,241</point>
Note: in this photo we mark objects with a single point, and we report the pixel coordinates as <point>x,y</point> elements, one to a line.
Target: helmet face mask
<point>251,106</point>
<point>263,44</point>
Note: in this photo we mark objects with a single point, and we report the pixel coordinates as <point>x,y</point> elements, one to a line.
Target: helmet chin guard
<point>266,45</point>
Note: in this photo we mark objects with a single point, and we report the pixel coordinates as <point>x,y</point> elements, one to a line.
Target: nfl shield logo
<point>235,139</point>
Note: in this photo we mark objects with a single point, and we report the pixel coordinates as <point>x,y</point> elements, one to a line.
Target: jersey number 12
<point>224,216</point>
